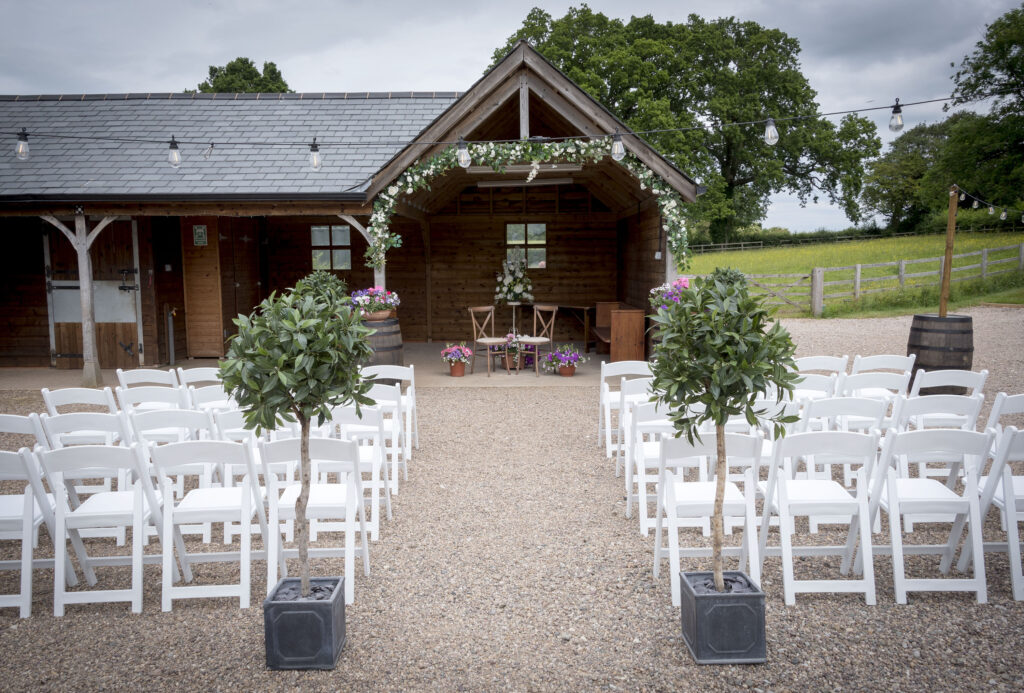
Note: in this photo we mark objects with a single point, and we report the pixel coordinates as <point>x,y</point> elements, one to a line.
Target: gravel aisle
<point>509,566</point>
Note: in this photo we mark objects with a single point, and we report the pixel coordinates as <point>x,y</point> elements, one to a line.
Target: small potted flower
<point>564,360</point>
<point>513,351</point>
<point>375,303</point>
<point>457,356</point>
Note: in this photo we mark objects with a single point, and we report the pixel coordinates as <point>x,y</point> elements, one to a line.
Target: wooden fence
<point>810,292</point>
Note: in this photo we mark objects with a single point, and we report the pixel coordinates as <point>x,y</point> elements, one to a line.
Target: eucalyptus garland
<point>498,155</point>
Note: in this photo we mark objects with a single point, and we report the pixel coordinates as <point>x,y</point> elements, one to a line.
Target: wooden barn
<point>176,252</point>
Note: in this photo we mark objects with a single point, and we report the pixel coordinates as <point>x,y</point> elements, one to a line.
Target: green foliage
<point>297,356</point>
<point>995,67</point>
<point>720,351</point>
<point>658,76</point>
<point>241,76</point>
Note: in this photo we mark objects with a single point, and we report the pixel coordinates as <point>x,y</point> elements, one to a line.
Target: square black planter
<point>305,634</point>
<point>723,627</point>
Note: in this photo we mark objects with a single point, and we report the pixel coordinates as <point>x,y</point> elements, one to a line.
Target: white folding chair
<point>405,374</point>
<point>207,375</point>
<point>882,385</point>
<point>102,510</point>
<point>813,386</point>
<point>389,399</point>
<point>78,397</point>
<point>681,503</point>
<point>824,364</point>
<point>971,381</point>
<point>150,398</point>
<point>367,428</point>
<point>1005,490</point>
<point>631,392</point>
<point>789,497</point>
<point>147,376</point>
<point>899,496</point>
<point>241,504</point>
<point>210,398</point>
<point>648,424</point>
<point>1004,406</point>
<point>883,362</point>
<point>609,400</point>
<point>339,502</point>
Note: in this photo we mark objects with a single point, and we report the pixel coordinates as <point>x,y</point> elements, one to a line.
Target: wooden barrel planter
<point>941,344</point>
<point>386,342</point>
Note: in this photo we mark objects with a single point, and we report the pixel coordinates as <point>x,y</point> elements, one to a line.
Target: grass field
<point>880,287</point>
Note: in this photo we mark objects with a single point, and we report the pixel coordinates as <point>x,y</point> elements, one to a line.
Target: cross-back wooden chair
<point>544,317</point>
<point>483,337</point>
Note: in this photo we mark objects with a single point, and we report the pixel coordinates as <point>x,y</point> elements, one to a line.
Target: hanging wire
<point>977,202</point>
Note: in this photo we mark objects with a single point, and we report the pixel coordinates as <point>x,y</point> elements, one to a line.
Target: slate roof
<point>358,133</point>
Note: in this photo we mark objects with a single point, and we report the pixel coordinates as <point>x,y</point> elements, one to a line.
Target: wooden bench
<point>621,327</point>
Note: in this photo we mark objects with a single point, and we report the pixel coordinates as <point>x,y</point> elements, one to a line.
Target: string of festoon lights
<point>978,203</point>
<point>316,158</point>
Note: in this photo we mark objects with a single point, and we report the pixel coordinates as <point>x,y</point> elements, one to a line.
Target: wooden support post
<point>903,273</point>
<point>947,265</point>
<point>817,291</point>
<point>984,263</point>
<point>524,107</point>
<point>1020,258</point>
<point>81,239</point>
<point>425,230</point>
<point>378,274</point>
<point>856,282</point>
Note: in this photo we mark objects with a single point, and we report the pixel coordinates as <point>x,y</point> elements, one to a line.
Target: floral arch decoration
<point>498,155</point>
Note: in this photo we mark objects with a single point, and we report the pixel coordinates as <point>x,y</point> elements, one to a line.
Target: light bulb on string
<point>174,154</point>
<point>896,121</point>
<point>991,211</point>
<point>208,151</point>
<point>1002,215</point>
<point>974,205</point>
<point>316,159</point>
<point>618,149</point>
<point>21,148</point>
<point>771,133</point>
<point>963,196</point>
<point>462,154</point>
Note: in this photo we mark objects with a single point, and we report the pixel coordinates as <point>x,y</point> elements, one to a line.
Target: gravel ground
<point>509,565</point>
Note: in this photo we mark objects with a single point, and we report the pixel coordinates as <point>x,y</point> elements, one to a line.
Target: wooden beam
<point>378,274</point>
<point>425,231</point>
<point>408,209</point>
<point>562,107</point>
<point>81,239</point>
<point>188,209</point>
<point>501,98</point>
<point>524,107</point>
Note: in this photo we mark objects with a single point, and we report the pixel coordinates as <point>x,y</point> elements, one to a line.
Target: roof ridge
<point>227,96</point>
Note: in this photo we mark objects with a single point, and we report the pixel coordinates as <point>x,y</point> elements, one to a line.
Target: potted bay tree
<point>719,352</point>
<point>294,358</point>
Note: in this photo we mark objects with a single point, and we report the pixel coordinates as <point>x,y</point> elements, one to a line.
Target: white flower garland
<point>498,155</point>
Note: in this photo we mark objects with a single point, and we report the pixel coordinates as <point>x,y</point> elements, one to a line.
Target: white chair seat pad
<point>491,341</point>
<point>327,500</point>
<point>13,507</point>
<point>534,341</point>
<point>207,500</point>
<point>999,498</point>
<point>108,507</point>
<point>825,491</point>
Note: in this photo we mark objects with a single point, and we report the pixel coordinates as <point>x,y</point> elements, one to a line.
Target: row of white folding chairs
<point>881,488</point>
<point>140,505</point>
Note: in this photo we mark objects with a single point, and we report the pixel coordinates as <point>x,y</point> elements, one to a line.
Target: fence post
<point>903,271</point>
<point>856,282</point>
<point>942,267</point>
<point>817,291</point>
<point>984,263</point>
<point>1020,259</point>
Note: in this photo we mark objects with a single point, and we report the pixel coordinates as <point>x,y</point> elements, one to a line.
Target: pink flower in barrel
<point>376,299</point>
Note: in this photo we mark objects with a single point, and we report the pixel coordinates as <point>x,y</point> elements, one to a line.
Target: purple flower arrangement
<point>565,355</point>
<point>456,353</point>
<point>662,296</point>
<point>375,298</point>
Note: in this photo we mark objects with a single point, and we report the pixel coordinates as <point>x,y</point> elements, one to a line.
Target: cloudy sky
<point>855,54</point>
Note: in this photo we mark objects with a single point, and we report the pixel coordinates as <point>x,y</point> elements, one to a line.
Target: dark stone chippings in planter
<point>305,633</point>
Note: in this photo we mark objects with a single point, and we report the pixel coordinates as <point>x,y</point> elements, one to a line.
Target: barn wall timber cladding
<point>201,271</point>
<point>241,290</point>
<point>467,252</point>
<point>169,288</point>
<point>640,238</point>
<point>24,335</point>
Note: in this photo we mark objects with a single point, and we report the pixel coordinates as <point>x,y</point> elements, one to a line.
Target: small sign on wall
<point>199,235</point>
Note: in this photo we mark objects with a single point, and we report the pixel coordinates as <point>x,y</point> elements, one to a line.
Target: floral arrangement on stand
<point>668,293</point>
<point>513,284</point>
<point>376,299</point>
<point>456,353</point>
<point>498,155</point>
<point>562,357</point>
